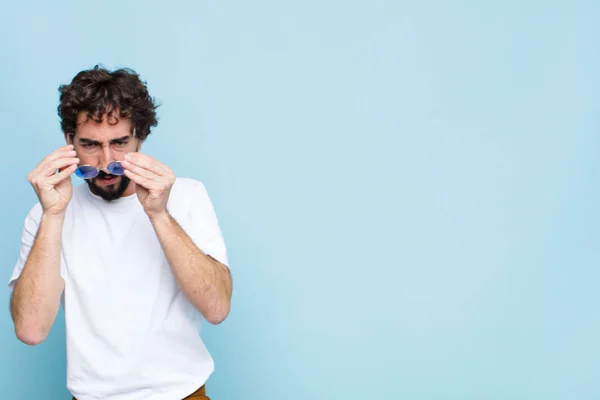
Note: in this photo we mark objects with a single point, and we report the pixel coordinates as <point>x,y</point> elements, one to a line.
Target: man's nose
<point>106,157</point>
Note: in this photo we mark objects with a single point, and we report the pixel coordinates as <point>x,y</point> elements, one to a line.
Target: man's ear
<point>139,141</point>
<point>69,138</point>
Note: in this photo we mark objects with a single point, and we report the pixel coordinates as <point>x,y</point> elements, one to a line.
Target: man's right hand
<point>54,190</point>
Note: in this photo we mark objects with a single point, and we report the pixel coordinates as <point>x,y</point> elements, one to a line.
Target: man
<point>135,256</point>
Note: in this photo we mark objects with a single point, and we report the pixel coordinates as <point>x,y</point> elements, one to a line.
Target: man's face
<point>99,143</point>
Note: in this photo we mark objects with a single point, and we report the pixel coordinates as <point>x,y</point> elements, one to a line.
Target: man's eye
<point>88,145</point>
<point>120,143</point>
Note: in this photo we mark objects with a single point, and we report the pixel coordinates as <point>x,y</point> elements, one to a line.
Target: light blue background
<point>408,189</point>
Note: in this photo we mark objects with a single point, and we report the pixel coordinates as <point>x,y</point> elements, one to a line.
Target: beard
<point>109,192</point>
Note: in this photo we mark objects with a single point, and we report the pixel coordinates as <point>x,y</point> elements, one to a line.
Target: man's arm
<point>204,281</point>
<point>36,296</point>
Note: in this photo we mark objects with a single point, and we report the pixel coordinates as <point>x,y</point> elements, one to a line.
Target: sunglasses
<point>89,172</point>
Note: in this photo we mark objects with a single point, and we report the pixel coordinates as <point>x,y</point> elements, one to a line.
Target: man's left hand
<point>153,180</point>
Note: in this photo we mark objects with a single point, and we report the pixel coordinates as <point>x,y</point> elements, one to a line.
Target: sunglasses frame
<point>79,174</point>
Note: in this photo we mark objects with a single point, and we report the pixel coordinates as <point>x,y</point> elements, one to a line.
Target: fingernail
<point>129,156</point>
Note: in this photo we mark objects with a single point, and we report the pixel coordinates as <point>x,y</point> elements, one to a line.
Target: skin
<point>36,298</point>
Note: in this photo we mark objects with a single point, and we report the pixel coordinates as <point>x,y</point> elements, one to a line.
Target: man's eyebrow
<point>91,141</point>
<point>88,141</point>
<point>121,139</point>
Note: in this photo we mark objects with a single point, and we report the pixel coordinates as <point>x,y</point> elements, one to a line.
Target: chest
<point>113,253</point>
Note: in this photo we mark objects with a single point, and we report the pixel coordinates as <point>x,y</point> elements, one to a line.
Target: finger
<point>146,162</point>
<point>65,151</point>
<point>62,175</point>
<point>140,180</point>
<point>60,164</point>
<point>148,174</point>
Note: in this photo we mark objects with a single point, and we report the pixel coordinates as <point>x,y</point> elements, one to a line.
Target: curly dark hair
<point>99,92</point>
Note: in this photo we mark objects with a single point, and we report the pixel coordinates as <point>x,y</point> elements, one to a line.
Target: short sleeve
<point>28,234</point>
<point>203,225</point>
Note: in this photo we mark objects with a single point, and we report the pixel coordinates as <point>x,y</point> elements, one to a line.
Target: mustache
<point>102,175</point>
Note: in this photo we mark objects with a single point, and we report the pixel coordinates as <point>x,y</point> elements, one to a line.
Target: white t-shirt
<point>130,332</point>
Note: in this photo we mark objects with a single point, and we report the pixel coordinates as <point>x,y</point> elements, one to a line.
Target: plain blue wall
<point>408,189</point>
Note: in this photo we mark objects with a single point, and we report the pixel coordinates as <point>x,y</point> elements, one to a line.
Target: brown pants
<point>199,394</point>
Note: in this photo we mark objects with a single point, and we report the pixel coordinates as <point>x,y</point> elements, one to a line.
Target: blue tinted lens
<point>86,172</point>
<point>115,168</point>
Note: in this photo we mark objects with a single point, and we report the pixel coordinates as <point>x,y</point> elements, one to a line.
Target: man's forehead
<point>94,130</point>
<point>101,133</point>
